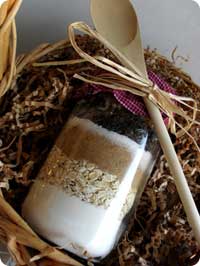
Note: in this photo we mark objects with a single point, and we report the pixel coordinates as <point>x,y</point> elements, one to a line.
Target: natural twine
<point>119,77</point>
<point>13,230</point>
<point>17,234</point>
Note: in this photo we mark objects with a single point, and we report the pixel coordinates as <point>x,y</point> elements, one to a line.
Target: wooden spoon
<point>117,22</point>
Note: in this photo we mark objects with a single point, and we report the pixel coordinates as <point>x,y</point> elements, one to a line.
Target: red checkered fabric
<point>134,103</point>
<point>131,102</point>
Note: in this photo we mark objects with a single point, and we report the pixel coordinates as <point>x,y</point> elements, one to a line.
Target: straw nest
<point>38,101</point>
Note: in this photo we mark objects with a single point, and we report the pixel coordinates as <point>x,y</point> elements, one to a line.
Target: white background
<point>197,1</point>
<point>164,25</point>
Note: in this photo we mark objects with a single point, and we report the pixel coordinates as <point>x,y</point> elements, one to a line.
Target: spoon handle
<point>176,169</point>
<point>105,22</point>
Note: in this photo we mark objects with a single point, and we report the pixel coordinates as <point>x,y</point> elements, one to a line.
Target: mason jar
<point>93,178</point>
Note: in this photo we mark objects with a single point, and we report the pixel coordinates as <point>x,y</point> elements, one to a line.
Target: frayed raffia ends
<point>14,231</point>
<point>19,236</point>
<point>6,212</point>
<point>8,43</point>
<point>119,77</point>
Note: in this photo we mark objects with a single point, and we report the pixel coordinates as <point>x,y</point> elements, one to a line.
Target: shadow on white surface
<point>164,25</point>
<point>197,1</point>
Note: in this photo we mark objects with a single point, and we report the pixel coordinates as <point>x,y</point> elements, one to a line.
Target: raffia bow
<point>118,77</point>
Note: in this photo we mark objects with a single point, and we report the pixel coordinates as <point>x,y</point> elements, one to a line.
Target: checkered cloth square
<point>131,102</point>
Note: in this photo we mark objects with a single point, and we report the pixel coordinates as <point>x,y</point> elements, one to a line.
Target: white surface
<point>164,25</point>
<point>197,1</point>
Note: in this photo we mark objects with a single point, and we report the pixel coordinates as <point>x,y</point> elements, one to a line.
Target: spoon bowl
<point>115,20</point>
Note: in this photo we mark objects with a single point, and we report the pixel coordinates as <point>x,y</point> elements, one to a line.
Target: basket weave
<point>8,41</point>
<point>14,232</point>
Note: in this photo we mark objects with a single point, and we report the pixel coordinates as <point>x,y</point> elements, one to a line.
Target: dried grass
<point>36,105</point>
<point>8,43</point>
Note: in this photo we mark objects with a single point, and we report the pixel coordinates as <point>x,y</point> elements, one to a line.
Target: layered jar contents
<point>92,178</point>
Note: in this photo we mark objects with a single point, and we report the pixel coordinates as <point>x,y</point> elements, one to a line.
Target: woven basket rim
<point>7,24</point>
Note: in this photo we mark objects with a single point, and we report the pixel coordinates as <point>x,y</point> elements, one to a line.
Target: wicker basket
<point>8,41</point>
<point>14,232</point>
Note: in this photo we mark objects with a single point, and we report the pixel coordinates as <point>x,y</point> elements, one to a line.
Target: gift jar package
<point>92,178</point>
<point>99,134</point>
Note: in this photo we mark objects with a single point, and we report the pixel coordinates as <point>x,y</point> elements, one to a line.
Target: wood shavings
<point>178,57</point>
<point>167,237</point>
<point>159,234</point>
<point>42,98</point>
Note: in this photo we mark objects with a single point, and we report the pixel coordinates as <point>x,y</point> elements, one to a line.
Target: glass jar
<point>93,178</point>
